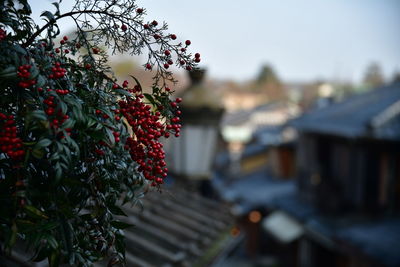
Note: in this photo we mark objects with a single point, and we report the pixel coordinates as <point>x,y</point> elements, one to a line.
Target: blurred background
<point>290,147</point>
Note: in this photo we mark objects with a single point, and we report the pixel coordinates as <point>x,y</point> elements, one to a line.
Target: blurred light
<point>235,231</point>
<point>255,216</point>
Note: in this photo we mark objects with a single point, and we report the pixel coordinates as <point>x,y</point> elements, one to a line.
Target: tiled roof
<point>374,114</point>
<point>175,228</point>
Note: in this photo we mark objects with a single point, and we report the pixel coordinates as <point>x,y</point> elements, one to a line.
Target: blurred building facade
<point>331,196</point>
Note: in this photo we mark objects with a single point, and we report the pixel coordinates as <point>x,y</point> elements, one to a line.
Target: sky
<point>302,40</point>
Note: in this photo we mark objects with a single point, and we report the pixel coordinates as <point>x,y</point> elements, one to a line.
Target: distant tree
<point>267,75</point>
<point>373,76</point>
<point>267,81</point>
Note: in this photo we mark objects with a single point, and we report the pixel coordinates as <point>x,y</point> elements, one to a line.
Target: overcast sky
<point>303,40</point>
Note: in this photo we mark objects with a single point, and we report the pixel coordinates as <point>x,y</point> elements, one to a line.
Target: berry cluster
<point>9,142</point>
<point>59,120</point>
<point>197,57</point>
<point>3,34</point>
<point>175,126</point>
<point>62,91</point>
<point>24,74</point>
<point>57,71</point>
<point>145,149</point>
<point>49,101</point>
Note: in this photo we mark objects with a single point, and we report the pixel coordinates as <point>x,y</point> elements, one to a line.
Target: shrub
<point>75,145</point>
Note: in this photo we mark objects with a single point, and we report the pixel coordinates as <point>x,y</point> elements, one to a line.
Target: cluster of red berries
<point>9,142</point>
<point>64,39</point>
<point>49,101</point>
<point>57,71</point>
<point>23,73</point>
<point>197,57</point>
<point>145,149</point>
<point>175,126</point>
<point>62,91</point>
<point>3,34</point>
<point>59,118</point>
<point>99,112</point>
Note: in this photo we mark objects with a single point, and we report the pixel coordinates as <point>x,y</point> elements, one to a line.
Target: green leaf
<point>123,92</point>
<point>121,225</point>
<point>58,169</point>
<point>19,49</point>
<point>63,107</point>
<point>39,114</point>
<point>25,226</point>
<point>34,212</point>
<point>69,123</point>
<point>38,153</point>
<point>91,122</point>
<point>48,15</point>
<point>49,226</point>
<point>55,156</point>
<point>150,98</point>
<point>110,136</point>
<point>43,143</point>
<point>40,81</point>
<point>34,72</point>
<point>78,114</point>
<point>51,241</point>
<point>116,210</point>
<point>8,72</point>
<point>136,80</point>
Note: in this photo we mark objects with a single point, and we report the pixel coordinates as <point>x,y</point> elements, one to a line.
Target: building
<point>342,208</point>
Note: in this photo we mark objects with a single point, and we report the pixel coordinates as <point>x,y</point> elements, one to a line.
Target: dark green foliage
<point>61,196</point>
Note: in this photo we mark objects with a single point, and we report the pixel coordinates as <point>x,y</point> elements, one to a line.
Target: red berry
<point>148,66</point>
<point>188,42</point>
<point>166,65</point>
<point>88,66</point>
<point>65,38</point>
<point>197,60</point>
<point>173,36</point>
<point>139,10</point>
<point>154,23</point>
<point>197,55</point>
<point>178,100</point>
<point>167,52</point>
<point>189,68</point>
<point>124,27</point>
<point>57,50</point>
<point>62,42</point>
